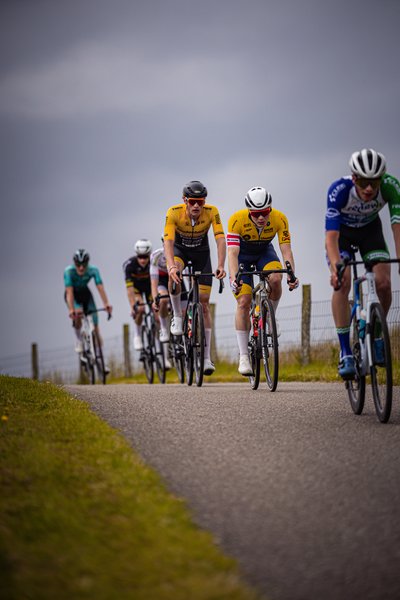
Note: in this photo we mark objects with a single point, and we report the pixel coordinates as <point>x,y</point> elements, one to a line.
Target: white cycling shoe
<point>79,346</point>
<point>245,366</point>
<point>209,367</point>
<point>163,335</point>
<point>177,325</point>
<point>168,365</point>
<point>138,342</point>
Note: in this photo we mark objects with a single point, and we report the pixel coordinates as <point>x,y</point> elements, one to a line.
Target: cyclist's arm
<point>287,254</point>
<point>131,295</point>
<point>154,291</point>
<point>169,255</point>
<point>69,295</point>
<point>396,235</point>
<point>333,253</point>
<point>221,250</point>
<point>233,263</point>
<point>103,295</point>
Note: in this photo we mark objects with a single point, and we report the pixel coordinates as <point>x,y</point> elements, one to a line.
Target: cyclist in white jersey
<point>352,219</point>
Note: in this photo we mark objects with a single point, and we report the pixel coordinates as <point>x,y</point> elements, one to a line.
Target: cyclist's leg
<point>180,259</point>
<point>269,260</point>
<point>80,297</point>
<point>372,246</point>
<point>242,317</point>
<point>341,308</point>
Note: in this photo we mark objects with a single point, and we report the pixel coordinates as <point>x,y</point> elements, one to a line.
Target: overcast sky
<point>107,108</point>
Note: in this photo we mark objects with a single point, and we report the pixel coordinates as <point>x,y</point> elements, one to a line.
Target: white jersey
<point>158,264</point>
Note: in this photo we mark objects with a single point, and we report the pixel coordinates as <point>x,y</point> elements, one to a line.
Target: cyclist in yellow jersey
<point>250,233</point>
<point>186,239</point>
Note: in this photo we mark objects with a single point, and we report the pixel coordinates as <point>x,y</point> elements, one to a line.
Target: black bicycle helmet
<point>194,189</point>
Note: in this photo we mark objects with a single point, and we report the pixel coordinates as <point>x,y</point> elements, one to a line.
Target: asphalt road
<point>303,492</point>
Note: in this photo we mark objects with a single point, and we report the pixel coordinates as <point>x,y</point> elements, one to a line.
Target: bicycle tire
<point>254,356</point>
<point>176,356</point>
<point>269,345</point>
<point>198,340</point>
<point>146,354</point>
<point>381,373</point>
<point>99,357</point>
<point>356,387</point>
<point>188,347</point>
<point>88,363</point>
<point>158,354</point>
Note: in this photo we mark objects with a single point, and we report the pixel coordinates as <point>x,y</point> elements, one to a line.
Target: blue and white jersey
<point>346,208</point>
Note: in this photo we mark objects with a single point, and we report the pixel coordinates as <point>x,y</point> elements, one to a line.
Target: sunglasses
<point>260,213</point>
<point>80,265</point>
<point>199,201</point>
<point>364,183</point>
<point>142,255</point>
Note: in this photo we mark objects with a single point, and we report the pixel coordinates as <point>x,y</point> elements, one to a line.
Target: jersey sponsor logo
<point>217,219</point>
<point>332,213</point>
<point>336,191</point>
<point>393,182</point>
<point>247,238</point>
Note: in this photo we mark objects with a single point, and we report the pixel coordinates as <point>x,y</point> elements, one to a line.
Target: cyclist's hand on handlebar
<point>174,274</point>
<point>109,309</point>
<point>235,287</point>
<point>338,278</point>
<point>293,285</point>
<point>220,273</point>
<point>155,305</point>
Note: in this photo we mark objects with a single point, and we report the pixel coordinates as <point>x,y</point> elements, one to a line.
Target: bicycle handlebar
<point>197,275</point>
<point>90,312</point>
<point>148,302</point>
<point>265,273</point>
<point>369,265</point>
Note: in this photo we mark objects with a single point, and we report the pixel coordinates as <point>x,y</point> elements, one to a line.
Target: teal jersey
<point>78,282</point>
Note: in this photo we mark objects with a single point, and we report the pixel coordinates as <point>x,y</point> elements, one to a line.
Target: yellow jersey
<point>189,233</point>
<point>243,233</point>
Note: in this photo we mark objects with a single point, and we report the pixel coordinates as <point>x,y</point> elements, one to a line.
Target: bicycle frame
<point>372,296</point>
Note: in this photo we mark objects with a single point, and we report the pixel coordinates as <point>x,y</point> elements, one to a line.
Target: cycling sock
<point>138,330</point>
<point>344,340</point>
<point>164,322</point>
<point>78,333</point>
<point>275,305</point>
<point>243,341</point>
<point>207,347</point>
<point>176,305</point>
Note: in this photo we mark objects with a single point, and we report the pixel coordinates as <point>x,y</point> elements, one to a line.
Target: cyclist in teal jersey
<point>77,293</point>
<point>352,219</point>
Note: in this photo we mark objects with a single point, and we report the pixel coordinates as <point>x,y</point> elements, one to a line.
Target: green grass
<point>82,516</point>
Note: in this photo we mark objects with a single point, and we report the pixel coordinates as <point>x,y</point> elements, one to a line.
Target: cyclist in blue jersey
<point>352,219</point>
<point>77,293</point>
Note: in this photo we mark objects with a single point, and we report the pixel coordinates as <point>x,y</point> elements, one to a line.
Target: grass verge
<point>82,516</point>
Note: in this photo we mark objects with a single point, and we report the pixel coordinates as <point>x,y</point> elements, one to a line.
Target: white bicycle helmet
<point>258,199</point>
<point>368,164</point>
<point>81,257</point>
<point>143,247</point>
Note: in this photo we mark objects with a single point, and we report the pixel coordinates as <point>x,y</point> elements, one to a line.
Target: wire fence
<point>61,365</point>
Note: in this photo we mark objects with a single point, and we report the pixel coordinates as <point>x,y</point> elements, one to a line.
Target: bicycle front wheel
<point>146,355</point>
<point>159,356</point>
<point>254,356</point>
<point>381,369</point>
<point>269,344</point>
<point>188,348</point>
<point>99,357</point>
<point>198,339</point>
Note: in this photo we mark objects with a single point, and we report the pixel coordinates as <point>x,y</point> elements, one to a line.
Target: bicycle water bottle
<point>255,321</point>
<point>190,324</point>
<point>363,318</point>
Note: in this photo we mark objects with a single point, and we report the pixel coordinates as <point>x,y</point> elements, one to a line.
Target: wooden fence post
<point>127,355</point>
<point>35,367</point>
<point>214,352</point>
<point>306,325</point>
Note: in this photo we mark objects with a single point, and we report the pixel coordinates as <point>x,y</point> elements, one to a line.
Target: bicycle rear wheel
<point>99,357</point>
<point>356,387</point>
<point>146,354</point>
<point>254,356</point>
<point>159,356</point>
<point>198,339</point>
<point>269,344</point>
<point>381,370</point>
<point>87,360</point>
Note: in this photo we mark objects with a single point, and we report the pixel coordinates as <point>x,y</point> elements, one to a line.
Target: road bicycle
<point>152,352</point>
<point>369,330</point>
<point>192,342</point>
<point>92,355</point>
<point>263,338</point>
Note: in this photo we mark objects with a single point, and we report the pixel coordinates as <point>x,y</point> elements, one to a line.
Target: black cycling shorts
<point>200,260</point>
<point>369,240</point>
